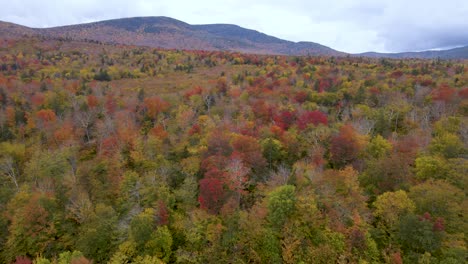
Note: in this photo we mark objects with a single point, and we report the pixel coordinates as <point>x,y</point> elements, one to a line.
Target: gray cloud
<point>347,25</point>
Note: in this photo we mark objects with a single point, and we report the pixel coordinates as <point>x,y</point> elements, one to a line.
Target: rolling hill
<point>169,33</point>
<point>456,53</point>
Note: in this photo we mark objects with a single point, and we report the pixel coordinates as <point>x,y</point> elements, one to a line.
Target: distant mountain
<point>169,33</point>
<point>165,32</point>
<point>456,53</point>
<point>10,30</point>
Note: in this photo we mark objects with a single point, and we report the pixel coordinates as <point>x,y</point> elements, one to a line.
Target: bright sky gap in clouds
<point>346,25</point>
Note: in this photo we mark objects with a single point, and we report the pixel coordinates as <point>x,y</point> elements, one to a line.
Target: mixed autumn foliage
<point>120,154</point>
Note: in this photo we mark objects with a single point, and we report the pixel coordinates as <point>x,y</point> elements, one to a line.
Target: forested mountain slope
<point>169,33</point>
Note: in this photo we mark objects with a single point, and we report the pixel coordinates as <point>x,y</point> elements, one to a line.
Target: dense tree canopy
<point>121,154</point>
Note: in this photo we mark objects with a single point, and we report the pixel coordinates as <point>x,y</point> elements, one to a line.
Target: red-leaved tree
<point>345,146</point>
<point>211,194</point>
<point>311,117</point>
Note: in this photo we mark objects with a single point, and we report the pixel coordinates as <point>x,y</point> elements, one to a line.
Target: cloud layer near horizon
<point>346,25</point>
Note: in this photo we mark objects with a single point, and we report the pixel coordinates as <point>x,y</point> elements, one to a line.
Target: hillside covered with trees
<point>122,154</point>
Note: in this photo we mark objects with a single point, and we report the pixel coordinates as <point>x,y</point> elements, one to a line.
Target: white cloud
<point>347,25</point>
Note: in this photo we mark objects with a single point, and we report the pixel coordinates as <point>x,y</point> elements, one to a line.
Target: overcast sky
<point>346,25</point>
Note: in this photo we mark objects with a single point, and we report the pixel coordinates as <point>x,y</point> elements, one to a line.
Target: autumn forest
<point>124,154</point>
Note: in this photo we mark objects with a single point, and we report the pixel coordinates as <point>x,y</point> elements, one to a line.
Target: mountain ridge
<point>453,53</point>
<point>170,33</point>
